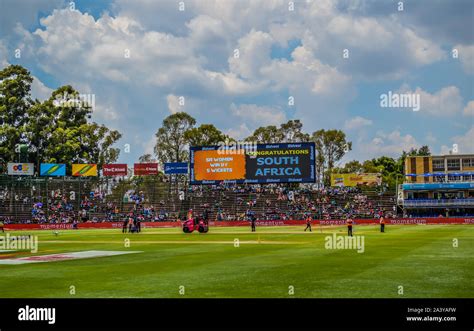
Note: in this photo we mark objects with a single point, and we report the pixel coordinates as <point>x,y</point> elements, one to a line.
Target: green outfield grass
<point>420,258</point>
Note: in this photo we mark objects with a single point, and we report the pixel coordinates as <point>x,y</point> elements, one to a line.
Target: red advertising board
<point>145,169</point>
<point>109,225</point>
<point>114,170</point>
<point>87,225</point>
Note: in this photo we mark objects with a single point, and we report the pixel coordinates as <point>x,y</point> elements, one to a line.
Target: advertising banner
<point>335,222</point>
<point>114,169</point>
<point>436,186</point>
<point>266,163</point>
<point>145,169</point>
<point>52,169</point>
<point>84,170</point>
<point>21,169</point>
<point>355,179</point>
<point>176,168</point>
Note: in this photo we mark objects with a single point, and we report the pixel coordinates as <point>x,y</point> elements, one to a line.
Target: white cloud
<point>173,103</point>
<point>258,115</point>
<point>389,144</point>
<point>148,145</point>
<point>106,113</point>
<point>3,54</point>
<point>469,109</point>
<point>466,56</point>
<point>357,123</point>
<point>380,47</point>
<point>445,102</point>
<point>254,53</point>
<point>39,90</point>
<point>465,142</point>
<point>240,133</point>
<point>190,53</point>
<point>445,150</point>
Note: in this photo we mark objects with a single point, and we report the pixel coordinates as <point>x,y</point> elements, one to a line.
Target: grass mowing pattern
<point>421,258</point>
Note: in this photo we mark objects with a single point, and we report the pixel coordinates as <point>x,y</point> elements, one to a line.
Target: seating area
<point>66,200</point>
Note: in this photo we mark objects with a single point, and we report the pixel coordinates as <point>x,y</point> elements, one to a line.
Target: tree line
<point>54,132</point>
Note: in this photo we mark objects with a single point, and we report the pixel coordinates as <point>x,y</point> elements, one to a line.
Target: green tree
<point>205,135</point>
<point>292,131</point>
<point>424,151</point>
<point>146,158</point>
<point>350,167</point>
<point>331,146</point>
<point>54,131</point>
<point>266,135</point>
<point>171,143</point>
<point>60,131</point>
<point>15,100</point>
<point>390,168</point>
<point>289,132</point>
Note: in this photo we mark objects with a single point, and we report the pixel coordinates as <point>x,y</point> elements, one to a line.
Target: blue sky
<point>282,53</point>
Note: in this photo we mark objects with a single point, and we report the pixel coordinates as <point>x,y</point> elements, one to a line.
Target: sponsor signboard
<point>337,222</point>
<point>114,170</point>
<point>21,169</point>
<point>267,163</point>
<point>355,179</point>
<point>52,169</point>
<point>176,168</point>
<point>145,169</point>
<point>84,170</point>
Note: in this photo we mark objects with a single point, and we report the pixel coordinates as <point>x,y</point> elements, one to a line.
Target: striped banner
<point>52,169</point>
<point>84,170</point>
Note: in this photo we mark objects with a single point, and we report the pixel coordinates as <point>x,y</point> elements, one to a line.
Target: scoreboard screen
<point>265,163</point>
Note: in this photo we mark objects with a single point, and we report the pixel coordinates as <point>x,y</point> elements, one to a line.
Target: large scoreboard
<point>264,163</point>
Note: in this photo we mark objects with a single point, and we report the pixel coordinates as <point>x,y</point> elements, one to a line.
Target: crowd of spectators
<point>223,203</point>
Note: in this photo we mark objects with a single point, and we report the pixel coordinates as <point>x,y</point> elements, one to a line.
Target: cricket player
<point>349,226</point>
<point>124,225</point>
<point>139,224</point>
<point>253,219</point>
<point>382,224</point>
<point>308,223</point>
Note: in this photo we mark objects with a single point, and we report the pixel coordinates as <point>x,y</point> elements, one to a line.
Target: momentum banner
<point>114,169</point>
<point>84,170</point>
<point>355,179</point>
<point>266,163</point>
<point>21,169</point>
<point>176,168</point>
<point>145,169</point>
<point>52,169</point>
<point>374,222</point>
